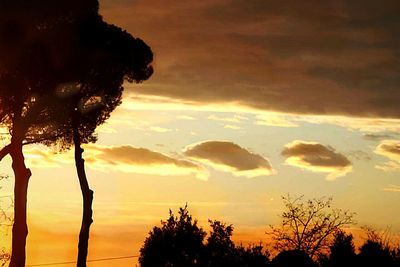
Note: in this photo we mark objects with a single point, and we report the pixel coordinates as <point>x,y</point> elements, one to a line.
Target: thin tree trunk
<point>20,228</point>
<point>87,195</point>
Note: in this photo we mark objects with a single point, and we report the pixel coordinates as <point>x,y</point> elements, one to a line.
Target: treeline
<point>305,239</point>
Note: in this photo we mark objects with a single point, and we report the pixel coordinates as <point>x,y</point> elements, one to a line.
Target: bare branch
<point>309,225</point>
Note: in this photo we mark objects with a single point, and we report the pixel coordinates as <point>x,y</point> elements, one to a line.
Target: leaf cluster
<point>63,67</point>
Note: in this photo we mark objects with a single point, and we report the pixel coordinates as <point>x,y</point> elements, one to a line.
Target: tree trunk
<point>20,228</point>
<point>87,195</point>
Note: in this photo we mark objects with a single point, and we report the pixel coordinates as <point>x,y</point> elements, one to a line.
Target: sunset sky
<point>250,100</point>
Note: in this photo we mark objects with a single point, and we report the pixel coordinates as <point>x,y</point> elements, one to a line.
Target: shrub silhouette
<point>341,251</point>
<point>178,242</point>
<point>251,256</point>
<point>220,248</point>
<point>374,253</point>
<point>181,242</point>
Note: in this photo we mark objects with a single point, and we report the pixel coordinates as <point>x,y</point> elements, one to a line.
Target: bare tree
<point>309,225</point>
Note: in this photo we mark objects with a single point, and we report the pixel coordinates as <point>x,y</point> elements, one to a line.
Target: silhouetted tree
<point>46,45</point>
<point>220,247</point>
<point>110,57</point>
<point>373,253</point>
<point>396,255</point>
<point>308,226</point>
<point>251,256</point>
<point>30,67</point>
<point>293,258</point>
<point>376,250</point>
<point>178,242</point>
<point>341,251</point>
<point>222,251</point>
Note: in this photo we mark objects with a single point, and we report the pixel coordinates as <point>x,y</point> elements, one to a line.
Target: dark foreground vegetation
<point>311,235</point>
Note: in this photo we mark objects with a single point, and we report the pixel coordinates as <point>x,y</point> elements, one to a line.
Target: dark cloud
<point>317,157</point>
<point>231,157</point>
<point>314,57</point>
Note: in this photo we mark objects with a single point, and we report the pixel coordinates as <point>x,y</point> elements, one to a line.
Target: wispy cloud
<point>185,117</point>
<point>372,127</point>
<point>392,188</point>
<point>159,129</point>
<point>232,127</point>
<point>276,120</point>
<point>235,118</point>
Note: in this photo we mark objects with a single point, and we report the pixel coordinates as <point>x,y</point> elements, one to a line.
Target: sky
<point>250,100</point>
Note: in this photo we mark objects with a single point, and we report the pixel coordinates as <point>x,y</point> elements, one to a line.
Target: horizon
<point>249,101</point>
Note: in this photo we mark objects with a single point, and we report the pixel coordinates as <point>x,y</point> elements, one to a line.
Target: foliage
<point>377,249</point>
<point>220,247</point>
<point>341,251</point>
<point>291,258</point>
<point>178,242</point>
<point>251,256</point>
<point>61,76</point>
<point>309,225</point>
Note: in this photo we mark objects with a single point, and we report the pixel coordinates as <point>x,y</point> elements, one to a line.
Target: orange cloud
<point>119,158</point>
<point>230,157</point>
<point>391,150</point>
<point>317,158</point>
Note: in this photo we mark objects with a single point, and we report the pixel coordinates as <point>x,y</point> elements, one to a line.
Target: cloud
<point>185,117</point>
<point>159,129</point>
<point>39,157</point>
<point>389,166</point>
<point>317,158</point>
<point>391,150</point>
<point>228,156</point>
<point>392,188</point>
<point>359,155</point>
<point>235,119</point>
<point>314,57</point>
<point>369,125</point>
<point>232,127</point>
<point>138,102</point>
<point>125,158</point>
<point>276,120</point>
<point>376,137</point>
